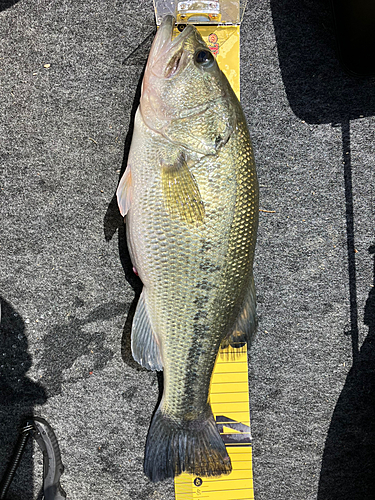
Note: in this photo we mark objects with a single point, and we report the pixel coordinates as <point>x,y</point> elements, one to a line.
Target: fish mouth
<point>168,58</point>
<point>166,55</point>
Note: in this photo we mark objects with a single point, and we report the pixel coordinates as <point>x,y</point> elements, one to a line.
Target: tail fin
<point>174,447</point>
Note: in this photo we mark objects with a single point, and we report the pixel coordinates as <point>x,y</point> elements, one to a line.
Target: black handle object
<point>16,457</point>
<point>52,464</point>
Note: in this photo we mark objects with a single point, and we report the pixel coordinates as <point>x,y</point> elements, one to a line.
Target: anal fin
<point>246,324</point>
<point>145,347</point>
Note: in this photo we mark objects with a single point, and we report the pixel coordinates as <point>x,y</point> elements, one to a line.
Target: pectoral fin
<point>182,198</point>
<point>246,324</point>
<point>124,192</point>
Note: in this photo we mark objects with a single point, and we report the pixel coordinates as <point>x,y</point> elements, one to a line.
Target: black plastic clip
<point>52,465</point>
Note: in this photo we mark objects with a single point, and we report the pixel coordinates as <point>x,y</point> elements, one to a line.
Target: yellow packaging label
<point>224,42</point>
<point>229,389</point>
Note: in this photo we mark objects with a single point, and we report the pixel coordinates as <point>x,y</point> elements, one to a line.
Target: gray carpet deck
<point>69,76</point>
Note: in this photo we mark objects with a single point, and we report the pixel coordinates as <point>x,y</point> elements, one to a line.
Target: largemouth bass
<point>190,196</point>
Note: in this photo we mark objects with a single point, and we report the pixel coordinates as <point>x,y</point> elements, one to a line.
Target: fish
<point>189,196</point>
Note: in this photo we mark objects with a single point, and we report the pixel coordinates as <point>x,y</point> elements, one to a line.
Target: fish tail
<point>189,446</point>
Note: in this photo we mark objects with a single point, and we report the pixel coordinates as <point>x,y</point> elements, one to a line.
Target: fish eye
<point>204,58</point>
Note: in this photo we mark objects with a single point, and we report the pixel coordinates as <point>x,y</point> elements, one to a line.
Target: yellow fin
<point>181,192</point>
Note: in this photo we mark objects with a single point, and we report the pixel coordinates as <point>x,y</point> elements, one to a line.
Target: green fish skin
<point>190,196</point>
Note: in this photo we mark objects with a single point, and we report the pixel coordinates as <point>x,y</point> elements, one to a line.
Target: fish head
<point>185,96</point>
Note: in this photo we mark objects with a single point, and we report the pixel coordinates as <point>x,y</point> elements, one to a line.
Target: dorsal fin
<point>246,324</point>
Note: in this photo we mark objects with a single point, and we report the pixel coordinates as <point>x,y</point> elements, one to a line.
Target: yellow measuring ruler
<point>229,389</point>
